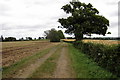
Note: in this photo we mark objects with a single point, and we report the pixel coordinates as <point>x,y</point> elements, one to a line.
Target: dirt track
<point>64,69</point>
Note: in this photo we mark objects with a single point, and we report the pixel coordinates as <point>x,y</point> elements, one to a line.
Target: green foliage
<point>21,39</point>
<point>28,38</point>
<point>39,38</point>
<point>107,57</point>
<point>85,67</point>
<point>84,19</point>
<point>1,39</point>
<point>109,33</point>
<point>10,39</point>
<point>61,35</point>
<point>54,35</point>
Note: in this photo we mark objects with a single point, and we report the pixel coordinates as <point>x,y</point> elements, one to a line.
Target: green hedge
<point>107,57</point>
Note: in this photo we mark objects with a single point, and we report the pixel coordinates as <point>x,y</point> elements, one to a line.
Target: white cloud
<point>21,18</point>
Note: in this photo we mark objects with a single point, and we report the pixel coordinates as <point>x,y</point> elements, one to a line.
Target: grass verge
<point>13,69</point>
<point>85,67</point>
<point>46,70</point>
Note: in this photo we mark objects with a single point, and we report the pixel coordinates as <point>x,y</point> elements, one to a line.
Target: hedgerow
<point>107,57</point>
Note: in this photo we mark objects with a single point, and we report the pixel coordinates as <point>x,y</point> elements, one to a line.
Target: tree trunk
<point>78,36</point>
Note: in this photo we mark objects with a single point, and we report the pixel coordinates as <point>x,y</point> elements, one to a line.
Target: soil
<point>64,69</point>
<point>26,72</point>
<point>13,54</point>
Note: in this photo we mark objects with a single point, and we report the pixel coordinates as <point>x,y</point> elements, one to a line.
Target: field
<point>44,59</point>
<point>105,42</point>
<point>14,51</point>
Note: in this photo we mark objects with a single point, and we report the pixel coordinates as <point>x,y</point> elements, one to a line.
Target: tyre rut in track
<point>64,69</point>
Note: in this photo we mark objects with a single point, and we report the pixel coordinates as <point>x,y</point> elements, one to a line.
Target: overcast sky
<point>30,18</point>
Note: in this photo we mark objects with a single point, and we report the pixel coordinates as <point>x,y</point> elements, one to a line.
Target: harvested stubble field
<point>105,42</point>
<point>15,51</point>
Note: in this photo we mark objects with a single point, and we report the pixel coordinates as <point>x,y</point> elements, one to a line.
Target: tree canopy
<point>84,20</point>
<point>61,35</point>
<point>1,38</point>
<point>54,35</point>
<point>10,39</point>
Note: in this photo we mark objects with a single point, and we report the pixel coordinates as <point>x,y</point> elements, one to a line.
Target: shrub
<point>55,38</point>
<point>54,35</point>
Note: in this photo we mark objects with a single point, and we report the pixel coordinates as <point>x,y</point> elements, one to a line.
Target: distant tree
<point>61,35</point>
<point>1,39</point>
<point>10,39</point>
<point>35,39</point>
<point>53,35</point>
<point>39,38</point>
<point>28,38</point>
<point>109,33</point>
<point>47,34</point>
<point>84,20</point>
<point>43,37</point>
<point>21,39</point>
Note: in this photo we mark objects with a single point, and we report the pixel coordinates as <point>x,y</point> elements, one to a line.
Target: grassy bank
<point>85,67</point>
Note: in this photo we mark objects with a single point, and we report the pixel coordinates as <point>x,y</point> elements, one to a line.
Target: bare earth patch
<point>15,51</point>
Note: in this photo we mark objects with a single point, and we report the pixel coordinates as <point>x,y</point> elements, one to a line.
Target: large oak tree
<point>84,20</point>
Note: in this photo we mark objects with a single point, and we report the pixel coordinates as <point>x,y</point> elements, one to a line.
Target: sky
<point>30,18</point>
